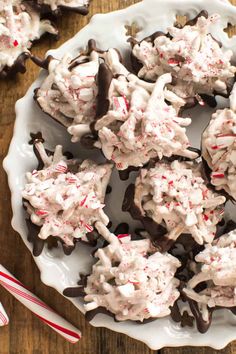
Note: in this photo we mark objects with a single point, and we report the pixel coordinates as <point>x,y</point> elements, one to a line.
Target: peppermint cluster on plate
<point>136,119</point>
<point>22,22</point>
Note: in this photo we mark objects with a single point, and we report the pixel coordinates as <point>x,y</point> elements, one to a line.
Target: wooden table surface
<point>25,333</point>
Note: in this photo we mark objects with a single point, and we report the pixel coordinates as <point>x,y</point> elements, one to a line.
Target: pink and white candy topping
<point>175,195</point>
<point>219,147</point>
<point>218,270</point>
<point>140,125</point>
<point>69,94</point>
<point>63,203</point>
<point>191,55</point>
<point>131,279</point>
<point>20,25</point>
<point>54,4</point>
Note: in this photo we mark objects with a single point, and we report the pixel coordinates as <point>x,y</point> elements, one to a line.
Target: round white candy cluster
<point>140,125</point>
<point>175,195</point>
<point>219,147</point>
<point>66,204</point>
<point>131,279</point>
<point>68,94</point>
<point>218,270</point>
<point>191,55</point>
<point>20,25</point>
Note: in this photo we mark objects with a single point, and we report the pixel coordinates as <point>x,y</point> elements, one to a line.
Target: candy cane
<point>38,307</point>
<point>4,320</point>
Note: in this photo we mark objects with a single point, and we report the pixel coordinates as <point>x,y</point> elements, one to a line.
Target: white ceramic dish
<point>60,271</point>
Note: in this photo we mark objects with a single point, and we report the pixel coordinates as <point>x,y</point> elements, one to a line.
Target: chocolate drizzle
<point>17,67</point>
<point>104,79</point>
<point>202,325</point>
<point>193,22</point>
<point>156,232</point>
<point>184,319</point>
<point>42,63</point>
<point>136,63</point>
<point>45,10</point>
<point>124,174</point>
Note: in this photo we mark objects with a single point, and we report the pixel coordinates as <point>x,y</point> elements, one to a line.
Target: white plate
<point>60,271</point>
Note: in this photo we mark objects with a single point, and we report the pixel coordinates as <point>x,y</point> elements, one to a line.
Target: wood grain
<point>26,334</point>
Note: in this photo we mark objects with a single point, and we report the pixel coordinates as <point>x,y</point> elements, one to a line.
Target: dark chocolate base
<point>46,10</point>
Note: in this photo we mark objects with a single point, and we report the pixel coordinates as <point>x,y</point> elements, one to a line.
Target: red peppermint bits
<point>71,180</point>
<point>217,175</point>
<point>173,61</point>
<point>119,165</point>
<point>205,217</point>
<point>126,102</point>
<point>123,235</point>
<point>89,228</point>
<point>61,168</point>
<point>41,212</point>
<point>15,43</point>
<point>83,201</point>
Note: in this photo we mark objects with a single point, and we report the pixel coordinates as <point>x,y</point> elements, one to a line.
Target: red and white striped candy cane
<point>4,320</point>
<point>38,307</point>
